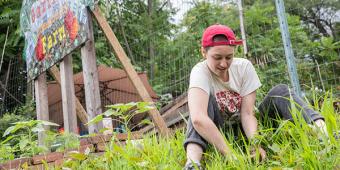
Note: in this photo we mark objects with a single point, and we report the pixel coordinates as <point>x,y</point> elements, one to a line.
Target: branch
<point>3,50</point>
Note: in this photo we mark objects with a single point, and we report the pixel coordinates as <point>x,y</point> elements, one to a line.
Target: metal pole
<point>240,9</point>
<point>287,46</point>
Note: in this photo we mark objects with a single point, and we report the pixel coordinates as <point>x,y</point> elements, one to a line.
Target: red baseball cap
<point>217,29</point>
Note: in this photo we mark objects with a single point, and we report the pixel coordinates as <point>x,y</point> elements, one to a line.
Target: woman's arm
<point>248,119</point>
<point>198,105</point>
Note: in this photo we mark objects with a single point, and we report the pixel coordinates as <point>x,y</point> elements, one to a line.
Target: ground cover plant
<point>289,145</point>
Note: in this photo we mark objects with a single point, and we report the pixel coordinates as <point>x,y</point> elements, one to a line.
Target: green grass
<point>289,146</point>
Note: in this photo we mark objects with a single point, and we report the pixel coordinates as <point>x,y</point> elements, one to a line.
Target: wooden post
<point>67,93</point>
<point>151,43</point>
<point>240,10</point>
<point>92,95</point>
<point>136,81</point>
<point>41,104</point>
<point>80,111</point>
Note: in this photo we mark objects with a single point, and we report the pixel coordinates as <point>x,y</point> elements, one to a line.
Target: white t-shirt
<point>242,81</point>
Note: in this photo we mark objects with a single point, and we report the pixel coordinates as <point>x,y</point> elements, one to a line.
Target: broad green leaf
<point>9,130</point>
<point>38,129</point>
<point>7,139</point>
<point>47,123</point>
<point>144,109</point>
<point>96,119</point>
<point>115,106</point>
<point>108,112</point>
<point>103,130</point>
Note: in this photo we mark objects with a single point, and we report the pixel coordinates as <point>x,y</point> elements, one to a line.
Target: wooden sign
<point>52,29</point>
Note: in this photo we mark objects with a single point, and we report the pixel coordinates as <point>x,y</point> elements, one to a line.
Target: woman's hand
<point>261,151</point>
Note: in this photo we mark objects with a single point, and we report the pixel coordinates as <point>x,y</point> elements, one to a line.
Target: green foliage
<point>6,151</point>
<point>289,145</point>
<point>123,113</point>
<point>10,144</point>
<point>22,137</point>
<point>66,141</point>
<point>9,19</point>
<point>22,113</point>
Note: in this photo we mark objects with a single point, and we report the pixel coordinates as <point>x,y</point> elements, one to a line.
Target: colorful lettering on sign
<point>44,46</point>
<point>62,34</point>
<point>47,42</point>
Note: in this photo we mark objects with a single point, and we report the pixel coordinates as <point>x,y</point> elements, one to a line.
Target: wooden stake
<point>67,93</point>
<point>132,74</point>
<point>41,104</point>
<point>91,83</point>
<point>80,111</point>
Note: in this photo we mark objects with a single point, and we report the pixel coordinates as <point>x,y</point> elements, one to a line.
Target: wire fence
<point>13,86</point>
<point>167,60</point>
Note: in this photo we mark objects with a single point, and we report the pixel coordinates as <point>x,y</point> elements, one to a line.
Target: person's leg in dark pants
<point>278,101</point>
<point>197,145</point>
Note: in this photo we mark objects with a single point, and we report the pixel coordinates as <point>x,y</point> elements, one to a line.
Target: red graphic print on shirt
<point>228,101</point>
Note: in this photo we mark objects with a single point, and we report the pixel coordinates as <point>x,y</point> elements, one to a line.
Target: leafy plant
<point>6,152</point>
<point>21,113</point>
<point>64,141</point>
<point>123,113</point>
<point>23,136</point>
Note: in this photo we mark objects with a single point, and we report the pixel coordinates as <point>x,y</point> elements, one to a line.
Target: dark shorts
<point>275,103</point>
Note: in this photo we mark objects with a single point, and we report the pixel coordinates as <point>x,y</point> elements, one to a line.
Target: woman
<point>222,92</point>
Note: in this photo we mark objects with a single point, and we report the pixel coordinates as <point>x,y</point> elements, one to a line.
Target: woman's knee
<point>279,90</point>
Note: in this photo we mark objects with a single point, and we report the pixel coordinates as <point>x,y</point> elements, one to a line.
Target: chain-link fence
<point>162,39</point>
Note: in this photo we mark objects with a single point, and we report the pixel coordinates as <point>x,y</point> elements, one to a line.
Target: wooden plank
<point>41,104</point>
<point>176,106</point>
<point>67,94</point>
<point>92,95</point>
<point>171,104</point>
<point>172,116</point>
<point>80,111</point>
<point>134,78</point>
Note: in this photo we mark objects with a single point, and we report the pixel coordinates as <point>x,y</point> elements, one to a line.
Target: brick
<point>50,157</point>
<point>37,167</point>
<point>16,163</point>
<point>84,141</point>
<point>133,135</point>
<point>97,153</point>
<point>80,150</point>
<point>99,138</point>
<point>42,166</point>
<point>101,147</point>
<point>59,163</point>
<point>84,147</point>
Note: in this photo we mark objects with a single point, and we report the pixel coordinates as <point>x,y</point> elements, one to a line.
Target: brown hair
<point>217,38</point>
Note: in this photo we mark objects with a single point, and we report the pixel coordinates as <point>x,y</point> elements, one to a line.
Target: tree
<point>11,47</point>
<point>10,32</point>
<point>318,15</point>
